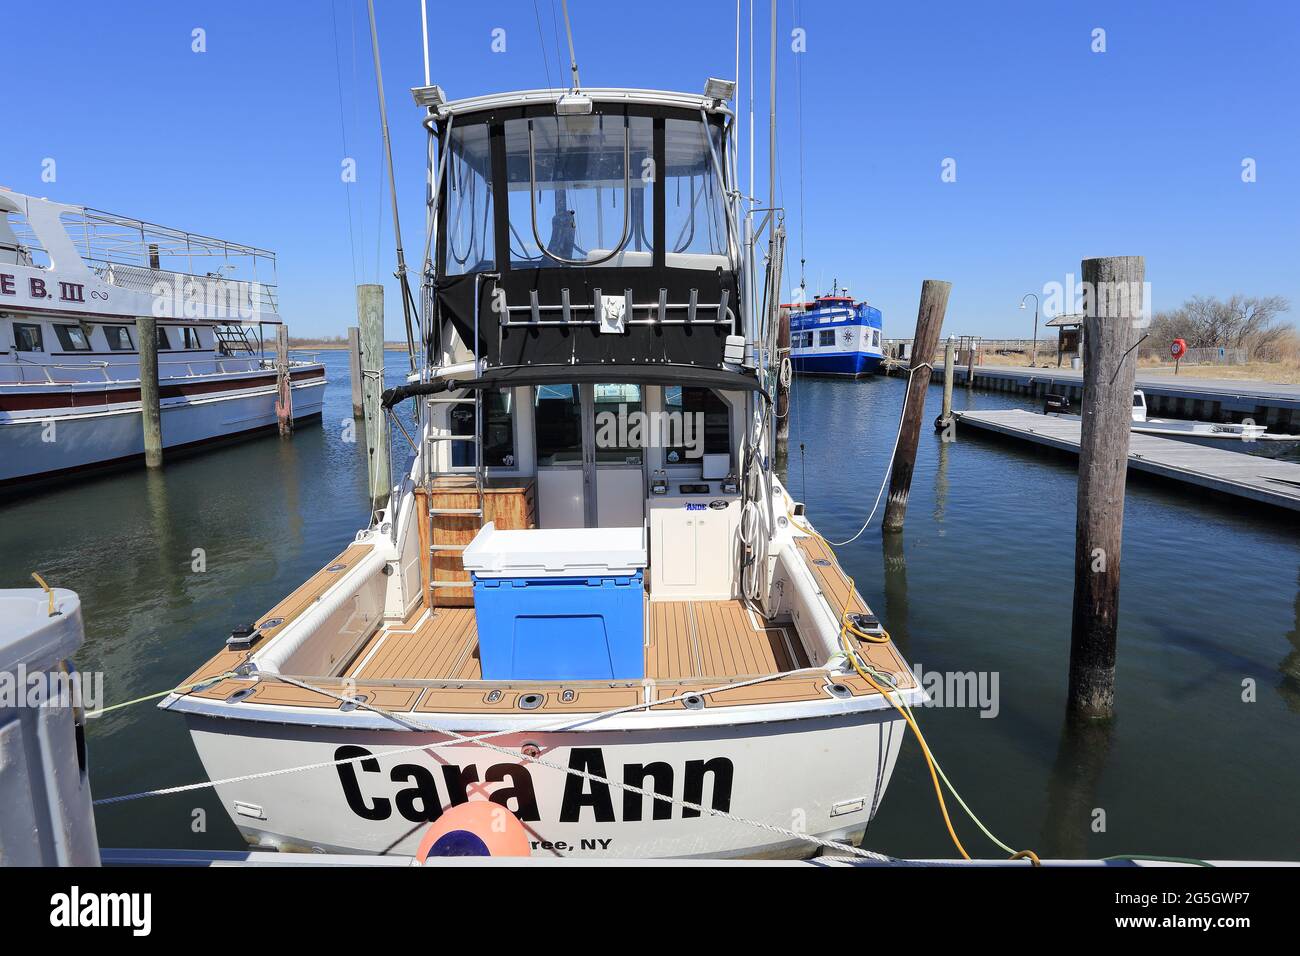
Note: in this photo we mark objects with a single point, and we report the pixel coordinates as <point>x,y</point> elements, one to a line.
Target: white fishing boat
<point>590,601</point>
<point>1237,436</point>
<point>73,281</point>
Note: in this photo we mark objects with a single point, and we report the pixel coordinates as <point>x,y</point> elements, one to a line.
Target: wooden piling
<point>949,373</point>
<point>283,382</point>
<point>146,334</point>
<point>929,321</point>
<point>1108,370</point>
<point>354,370</point>
<point>370,316</point>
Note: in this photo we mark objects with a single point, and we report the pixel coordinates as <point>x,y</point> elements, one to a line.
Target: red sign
<point>1178,348</point>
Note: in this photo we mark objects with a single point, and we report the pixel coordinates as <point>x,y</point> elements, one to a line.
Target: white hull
<point>821,775</point>
<point>1231,436</point>
<point>64,440</point>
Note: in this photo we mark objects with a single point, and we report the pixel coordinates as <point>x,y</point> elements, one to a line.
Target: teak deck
<point>690,647</point>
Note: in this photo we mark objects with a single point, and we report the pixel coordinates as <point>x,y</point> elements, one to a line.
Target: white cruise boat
<point>73,281</point>
<point>591,601</point>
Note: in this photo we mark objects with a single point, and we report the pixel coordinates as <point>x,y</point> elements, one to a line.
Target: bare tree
<point>1249,322</point>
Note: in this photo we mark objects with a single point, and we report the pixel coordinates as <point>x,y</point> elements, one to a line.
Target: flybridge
<point>62,258</point>
<point>606,235</point>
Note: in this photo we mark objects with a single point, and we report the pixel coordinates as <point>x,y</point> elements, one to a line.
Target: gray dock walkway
<point>1229,472</point>
<point>1206,399</point>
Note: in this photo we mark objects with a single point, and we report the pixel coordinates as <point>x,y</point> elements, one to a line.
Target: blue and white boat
<point>833,335</point>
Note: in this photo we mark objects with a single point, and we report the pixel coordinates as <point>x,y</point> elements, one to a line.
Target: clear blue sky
<point>1061,153</point>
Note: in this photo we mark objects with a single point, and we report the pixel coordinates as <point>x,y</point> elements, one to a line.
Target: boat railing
<point>221,296</point>
<point>44,373</point>
<point>134,254</point>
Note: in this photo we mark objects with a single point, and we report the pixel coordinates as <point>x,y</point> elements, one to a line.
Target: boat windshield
<point>695,214</point>
<point>581,190</point>
<point>470,236</point>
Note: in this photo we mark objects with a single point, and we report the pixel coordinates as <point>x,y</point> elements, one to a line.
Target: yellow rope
<point>49,591</point>
<point>916,729</point>
<point>846,628</point>
<point>183,689</point>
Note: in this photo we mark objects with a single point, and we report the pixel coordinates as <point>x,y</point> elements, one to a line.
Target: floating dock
<point>1229,472</point>
<point>1203,399</point>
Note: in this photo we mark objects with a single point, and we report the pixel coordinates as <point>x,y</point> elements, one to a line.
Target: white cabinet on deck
<point>694,542</point>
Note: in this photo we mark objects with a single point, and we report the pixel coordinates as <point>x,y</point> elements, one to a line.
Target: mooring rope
<point>182,689</point>
<point>889,465</point>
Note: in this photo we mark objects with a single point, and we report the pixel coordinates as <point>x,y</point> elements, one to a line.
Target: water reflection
<point>941,483</point>
<point>1072,807</point>
<point>1289,689</point>
<point>170,559</point>
<point>895,588</point>
<point>289,463</point>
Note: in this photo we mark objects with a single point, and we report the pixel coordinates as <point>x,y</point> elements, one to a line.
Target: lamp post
<point>1033,358</point>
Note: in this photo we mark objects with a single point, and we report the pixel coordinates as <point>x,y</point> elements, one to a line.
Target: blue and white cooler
<point>559,603</point>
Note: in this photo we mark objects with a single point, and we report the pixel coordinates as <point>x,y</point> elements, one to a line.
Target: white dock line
<point>889,465</point>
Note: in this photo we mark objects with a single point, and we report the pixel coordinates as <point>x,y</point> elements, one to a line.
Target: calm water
<point>980,581</point>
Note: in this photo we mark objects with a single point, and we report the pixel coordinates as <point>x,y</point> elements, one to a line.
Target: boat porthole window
<point>840,691</point>
<point>821,562</point>
<point>72,338</point>
<point>119,338</point>
<point>28,338</point>
<point>530,701</point>
<point>493,697</point>
<point>270,622</point>
<point>693,702</point>
<point>241,694</point>
<point>336,568</point>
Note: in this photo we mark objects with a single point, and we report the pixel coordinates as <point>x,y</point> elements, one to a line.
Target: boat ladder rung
<point>434,548</point>
<point>453,438</point>
<point>444,400</point>
<point>451,584</point>
<point>455,511</point>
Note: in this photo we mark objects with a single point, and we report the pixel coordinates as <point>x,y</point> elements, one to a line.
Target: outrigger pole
<point>430,220</point>
<point>408,300</point>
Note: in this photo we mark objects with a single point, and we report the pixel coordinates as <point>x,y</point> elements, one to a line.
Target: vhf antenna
<point>573,61</point>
